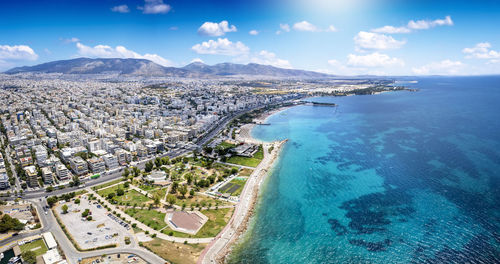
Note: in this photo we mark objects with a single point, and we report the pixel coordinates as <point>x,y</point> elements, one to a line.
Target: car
<point>46,213</point>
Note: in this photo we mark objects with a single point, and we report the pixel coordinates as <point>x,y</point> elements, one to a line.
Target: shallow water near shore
<point>399,177</point>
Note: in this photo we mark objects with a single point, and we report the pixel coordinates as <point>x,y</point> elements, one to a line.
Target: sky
<point>343,37</point>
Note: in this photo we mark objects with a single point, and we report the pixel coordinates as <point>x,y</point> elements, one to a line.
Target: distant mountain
<point>225,69</point>
<point>142,67</point>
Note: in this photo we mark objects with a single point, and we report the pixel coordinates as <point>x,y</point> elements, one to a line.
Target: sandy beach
<point>221,246</point>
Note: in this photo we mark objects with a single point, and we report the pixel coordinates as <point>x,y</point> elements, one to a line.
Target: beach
<point>221,246</point>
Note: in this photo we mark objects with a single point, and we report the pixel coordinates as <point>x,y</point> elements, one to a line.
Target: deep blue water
<point>400,177</point>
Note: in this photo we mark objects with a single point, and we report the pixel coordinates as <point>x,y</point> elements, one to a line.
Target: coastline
<point>218,250</point>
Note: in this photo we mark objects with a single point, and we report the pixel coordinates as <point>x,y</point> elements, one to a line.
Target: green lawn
<point>225,145</point>
<point>151,218</point>
<point>37,246</point>
<point>246,161</point>
<point>130,196</point>
<point>108,184</point>
<point>217,221</point>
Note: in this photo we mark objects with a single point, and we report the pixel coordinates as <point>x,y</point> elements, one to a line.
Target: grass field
<point>217,220</point>
<point>199,199</point>
<point>108,184</point>
<point>245,172</point>
<point>151,218</point>
<point>175,252</point>
<point>37,246</point>
<point>246,161</point>
<point>130,196</point>
<point>225,145</point>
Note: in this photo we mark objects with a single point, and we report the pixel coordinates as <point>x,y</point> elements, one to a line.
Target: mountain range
<point>142,67</point>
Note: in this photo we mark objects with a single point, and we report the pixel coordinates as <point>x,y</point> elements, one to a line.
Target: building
<point>31,176</point>
<point>97,165</point>
<point>4,181</point>
<point>47,175</point>
<point>40,154</point>
<point>78,166</point>
<point>49,240</point>
<point>111,161</point>
<point>62,172</point>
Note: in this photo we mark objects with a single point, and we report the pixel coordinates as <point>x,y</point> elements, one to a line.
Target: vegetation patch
<point>178,253</point>
<point>151,218</point>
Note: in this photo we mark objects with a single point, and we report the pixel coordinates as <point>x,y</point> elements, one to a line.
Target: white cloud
<point>375,41</point>
<point>391,30</point>
<point>216,29</point>
<point>104,51</point>
<point>154,7</point>
<point>120,9</point>
<point>482,51</point>
<point>331,28</point>
<point>71,40</point>
<point>285,27</point>
<point>445,67</point>
<point>305,26</point>
<point>17,52</point>
<point>269,58</point>
<point>426,24</point>
<point>253,32</point>
<point>221,46</point>
<point>197,60</point>
<point>414,25</point>
<point>373,60</point>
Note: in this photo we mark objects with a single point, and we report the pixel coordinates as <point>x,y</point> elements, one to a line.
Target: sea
<point>397,177</point>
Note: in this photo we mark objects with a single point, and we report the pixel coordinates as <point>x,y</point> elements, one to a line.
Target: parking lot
<point>114,259</point>
<point>100,231</point>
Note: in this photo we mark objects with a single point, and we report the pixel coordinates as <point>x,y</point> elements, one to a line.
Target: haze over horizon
<point>358,37</point>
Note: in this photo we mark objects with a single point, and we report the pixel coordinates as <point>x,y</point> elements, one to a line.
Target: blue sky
<point>346,37</point>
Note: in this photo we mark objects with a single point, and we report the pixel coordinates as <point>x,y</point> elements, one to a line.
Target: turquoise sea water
<point>400,177</point>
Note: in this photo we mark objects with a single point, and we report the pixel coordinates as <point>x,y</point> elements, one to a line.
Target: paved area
<point>100,231</point>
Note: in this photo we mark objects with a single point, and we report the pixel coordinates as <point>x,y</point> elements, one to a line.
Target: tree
<point>183,190</point>
<point>86,213</point>
<point>9,223</point>
<point>157,200</point>
<point>174,187</point>
<point>120,192</point>
<point>189,178</point>
<point>51,200</point>
<point>111,195</point>
<point>49,189</point>
<point>65,209</point>
<point>29,257</point>
<point>149,166</point>
<point>77,201</point>
<point>191,192</point>
<point>234,170</point>
<point>125,173</point>
<point>158,162</point>
<point>75,182</point>
<point>171,199</point>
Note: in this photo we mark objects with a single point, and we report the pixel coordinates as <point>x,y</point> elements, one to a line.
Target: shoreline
<point>245,134</point>
<point>218,250</point>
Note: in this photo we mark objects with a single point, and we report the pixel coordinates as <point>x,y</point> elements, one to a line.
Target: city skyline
<point>342,38</point>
